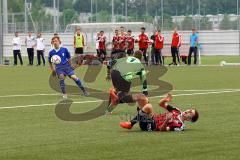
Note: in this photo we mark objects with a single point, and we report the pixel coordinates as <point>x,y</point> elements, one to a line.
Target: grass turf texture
<point>35,133</point>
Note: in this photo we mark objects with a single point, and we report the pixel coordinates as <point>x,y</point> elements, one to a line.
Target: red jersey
<point>176,40</point>
<point>130,42</point>
<point>159,40</point>
<point>175,124</point>
<point>115,42</point>
<point>122,42</point>
<point>143,41</point>
<point>102,42</point>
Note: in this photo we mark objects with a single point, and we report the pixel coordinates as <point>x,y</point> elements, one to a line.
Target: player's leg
<point>15,57</point>
<point>29,56</point>
<point>178,55</point>
<point>62,85</point>
<point>79,84</point>
<point>38,58</point>
<point>20,57</point>
<point>190,55</point>
<point>156,56</point>
<point>145,56</point>
<point>43,58</point>
<point>195,55</point>
<point>144,117</point>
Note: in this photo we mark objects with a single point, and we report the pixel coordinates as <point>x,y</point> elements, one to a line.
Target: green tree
<point>225,24</point>
<point>187,23</point>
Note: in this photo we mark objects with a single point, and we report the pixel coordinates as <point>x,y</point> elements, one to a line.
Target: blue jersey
<point>193,40</point>
<point>63,53</point>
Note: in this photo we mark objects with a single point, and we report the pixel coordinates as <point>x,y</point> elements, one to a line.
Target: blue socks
<point>62,86</point>
<point>79,83</point>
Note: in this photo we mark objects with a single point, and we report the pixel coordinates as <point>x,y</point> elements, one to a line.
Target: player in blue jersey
<point>64,68</point>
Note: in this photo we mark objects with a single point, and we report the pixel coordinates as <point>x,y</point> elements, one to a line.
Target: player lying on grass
<point>64,68</point>
<point>122,71</point>
<point>172,120</point>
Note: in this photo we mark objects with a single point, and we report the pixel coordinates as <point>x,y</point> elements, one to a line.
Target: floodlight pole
<point>126,10</point>
<point>25,17</point>
<point>1,34</point>
<point>162,14</point>
<point>91,10</point>
<point>5,16</point>
<point>113,11</point>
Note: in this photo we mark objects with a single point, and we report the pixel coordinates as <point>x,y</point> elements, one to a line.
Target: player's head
<point>175,30</point>
<point>116,32</point>
<point>129,32</point>
<point>158,31</point>
<point>143,29</point>
<point>39,34</point>
<point>190,115</point>
<point>16,34</point>
<point>122,29</point>
<point>193,30</point>
<point>56,42</point>
<point>29,33</point>
<point>78,30</point>
<point>101,33</point>
<point>138,54</point>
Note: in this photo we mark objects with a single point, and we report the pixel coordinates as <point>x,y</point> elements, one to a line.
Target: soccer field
<point>30,129</point>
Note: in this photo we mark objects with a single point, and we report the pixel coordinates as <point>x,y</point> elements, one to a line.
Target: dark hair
<point>195,117</point>
<point>56,37</point>
<point>159,30</point>
<point>101,31</point>
<point>143,28</point>
<point>130,31</point>
<point>116,30</point>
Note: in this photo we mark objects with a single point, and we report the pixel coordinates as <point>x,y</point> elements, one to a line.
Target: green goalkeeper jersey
<point>130,68</point>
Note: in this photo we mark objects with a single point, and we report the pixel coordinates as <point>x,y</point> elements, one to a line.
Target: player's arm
<point>163,102</point>
<point>83,40</point>
<point>74,42</point>
<point>52,68</point>
<point>164,126</point>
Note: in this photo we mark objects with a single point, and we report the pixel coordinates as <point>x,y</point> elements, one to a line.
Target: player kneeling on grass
<point>122,71</point>
<point>60,57</point>
<point>173,120</point>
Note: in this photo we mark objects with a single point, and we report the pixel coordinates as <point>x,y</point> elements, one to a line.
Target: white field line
<point>96,101</point>
<point>58,94</point>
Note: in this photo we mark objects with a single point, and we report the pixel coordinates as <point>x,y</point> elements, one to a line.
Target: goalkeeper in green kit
<point>122,71</point>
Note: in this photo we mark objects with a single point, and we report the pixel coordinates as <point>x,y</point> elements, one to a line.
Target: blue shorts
<point>66,70</point>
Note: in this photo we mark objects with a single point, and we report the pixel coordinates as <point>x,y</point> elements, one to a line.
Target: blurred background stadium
<point>216,21</point>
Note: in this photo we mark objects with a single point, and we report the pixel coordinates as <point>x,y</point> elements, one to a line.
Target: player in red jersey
<point>115,42</point>
<point>143,42</point>
<point>130,43</point>
<point>122,40</point>
<point>159,40</point>
<point>176,43</point>
<point>172,120</point>
<point>102,46</point>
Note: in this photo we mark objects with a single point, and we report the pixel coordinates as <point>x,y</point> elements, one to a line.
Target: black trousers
<point>153,55</point>
<point>40,54</point>
<point>174,51</point>
<point>17,53</point>
<point>158,56</point>
<point>30,52</point>
<point>194,51</point>
<point>144,50</point>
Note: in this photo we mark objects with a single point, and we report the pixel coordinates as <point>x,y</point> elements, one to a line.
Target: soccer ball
<point>222,63</point>
<point>56,59</point>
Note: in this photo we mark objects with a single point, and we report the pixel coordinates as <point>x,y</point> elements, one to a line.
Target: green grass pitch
<point>35,133</point>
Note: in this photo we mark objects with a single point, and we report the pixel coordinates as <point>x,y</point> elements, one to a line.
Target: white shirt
<point>40,44</point>
<point>97,42</point>
<point>30,41</point>
<point>16,43</point>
